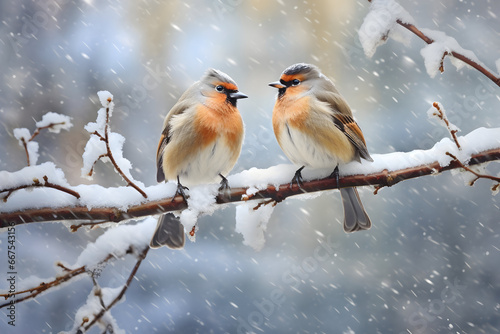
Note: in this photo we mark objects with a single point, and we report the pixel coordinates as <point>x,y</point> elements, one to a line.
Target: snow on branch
<point>113,244</point>
<point>437,111</point>
<point>381,23</point>
<point>106,145</point>
<point>51,121</point>
<point>115,204</point>
<point>268,186</point>
<point>29,178</point>
<point>387,17</point>
<point>44,285</point>
<point>37,183</point>
<point>17,189</point>
<point>100,301</point>
<point>474,170</point>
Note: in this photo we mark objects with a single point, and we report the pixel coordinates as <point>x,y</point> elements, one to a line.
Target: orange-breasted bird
<point>200,142</point>
<point>315,128</point>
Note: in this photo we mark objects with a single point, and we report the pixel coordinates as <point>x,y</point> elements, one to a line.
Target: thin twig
<point>193,231</point>
<point>98,135</point>
<point>110,156</point>
<point>33,292</point>
<point>38,184</point>
<point>441,115</point>
<point>91,172</point>
<point>457,55</point>
<point>70,273</point>
<point>98,316</point>
<point>97,291</point>
<point>60,265</point>
<point>37,130</point>
<point>36,133</point>
<point>264,203</point>
<point>26,150</point>
<point>478,175</point>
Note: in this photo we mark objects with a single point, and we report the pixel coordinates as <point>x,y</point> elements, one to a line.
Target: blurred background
<point>428,265</point>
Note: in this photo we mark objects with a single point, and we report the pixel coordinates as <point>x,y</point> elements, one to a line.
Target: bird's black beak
<point>237,95</point>
<point>277,84</point>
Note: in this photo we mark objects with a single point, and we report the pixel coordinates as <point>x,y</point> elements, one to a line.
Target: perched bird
<point>200,142</point>
<point>314,127</point>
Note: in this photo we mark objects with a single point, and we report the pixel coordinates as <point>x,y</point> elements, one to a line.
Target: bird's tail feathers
<point>355,216</point>
<point>169,232</point>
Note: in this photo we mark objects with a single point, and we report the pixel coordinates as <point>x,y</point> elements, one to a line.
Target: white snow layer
<point>59,122</point>
<point>433,53</point>
<point>251,224</point>
<point>116,241</point>
<point>96,149</point>
<point>433,114</point>
<point>93,306</point>
<point>23,135</point>
<point>106,99</point>
<point>201,201</point>
<point>380,23</point>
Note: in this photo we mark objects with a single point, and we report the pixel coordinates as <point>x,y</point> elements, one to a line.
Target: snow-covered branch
<point>36,183</point>
<point>51,121</point>
<point>106,307</point>
<point>43,286</point>
<point>477,174</point>
<point>106,145</point>
<point>385,19</point>
<point>118,204</point>
<point>113,244</point>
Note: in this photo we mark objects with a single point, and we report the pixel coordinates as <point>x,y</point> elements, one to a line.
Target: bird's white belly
<point>206,166</point>
<point>303,150</point>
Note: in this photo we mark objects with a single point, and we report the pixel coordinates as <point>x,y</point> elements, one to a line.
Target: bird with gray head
<point>200,142</point>
<point>315,128</point>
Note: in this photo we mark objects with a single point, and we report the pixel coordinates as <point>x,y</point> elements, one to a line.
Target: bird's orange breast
<point>291,111</point>
<point>225,121</point>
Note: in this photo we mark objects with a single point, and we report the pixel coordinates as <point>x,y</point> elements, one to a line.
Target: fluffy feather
<point>315,128</point>
<point>201,139</point>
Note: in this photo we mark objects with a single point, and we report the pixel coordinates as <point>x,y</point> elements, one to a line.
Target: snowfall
<point>380,25</point>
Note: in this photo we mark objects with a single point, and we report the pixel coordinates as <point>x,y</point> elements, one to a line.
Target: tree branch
<point>34,292</point>
<point>98,316</point>
<point>476,174</point>
<point>457,55</point>
<point>60,279</point>
<point>25,145</point>
<point>110,214</point>
<point>37,130</point>
<point>38,184</point>
<point>110,156</point>
<point>70,274</point>
<point>36,133</point>
<point>452,129</point>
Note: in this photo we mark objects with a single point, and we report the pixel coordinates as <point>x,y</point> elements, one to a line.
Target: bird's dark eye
<point>295,82</point>
<point>219,88</point>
